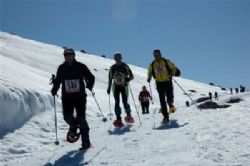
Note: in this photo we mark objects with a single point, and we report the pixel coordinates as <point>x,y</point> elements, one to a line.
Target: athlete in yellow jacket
<point>163,70</point>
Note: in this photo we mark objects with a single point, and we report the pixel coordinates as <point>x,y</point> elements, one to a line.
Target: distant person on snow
<point>163,70</point>
<point>119,77</point>
<point>144,97</point>
<point>231,90</point>
<point>71,75</point>
<point>210,96</point>
<point>237,90</point>
<point>242,88</point>
<point>216,96</point>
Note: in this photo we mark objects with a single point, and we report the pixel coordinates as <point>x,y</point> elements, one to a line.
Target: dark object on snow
<point>216,96</point>
<point>104,56</point>
<point>242,89</point>
<point>212,84</point>
<point>237,90</point>
<point>210,96</point>
<point>234,100</point>
<point>231,90</point>
<point>95,69</point>
<point>64,47</point>
<point>107,69</point>
<point>193,91</point>
<point>211,105</point>
<point>202,99</point>
<point>223,89</point>
<point>187,103</point>
<point>83,51</point>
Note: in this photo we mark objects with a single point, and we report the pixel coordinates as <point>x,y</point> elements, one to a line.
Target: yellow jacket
<point>159,70</point>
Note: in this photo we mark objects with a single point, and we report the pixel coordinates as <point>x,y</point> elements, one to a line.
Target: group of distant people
<point>211,96</point>
<point>237,90</point>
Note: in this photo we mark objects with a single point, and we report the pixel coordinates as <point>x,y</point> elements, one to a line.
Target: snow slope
<point>194,137</point>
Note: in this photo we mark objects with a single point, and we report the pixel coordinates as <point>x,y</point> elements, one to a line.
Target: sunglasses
<point>68,54</point>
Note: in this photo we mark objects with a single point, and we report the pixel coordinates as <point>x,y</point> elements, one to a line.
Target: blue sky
<point>209,40</point>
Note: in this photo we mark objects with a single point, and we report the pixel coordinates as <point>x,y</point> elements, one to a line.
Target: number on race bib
<point>119,79</point>
<point>145,99</point>
<point>160,69</point>
<point>72,86</point>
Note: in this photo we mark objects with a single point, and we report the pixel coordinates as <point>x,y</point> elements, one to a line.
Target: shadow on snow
<point>172,124</point>
<point>73,158</point>
<point>120,131</point>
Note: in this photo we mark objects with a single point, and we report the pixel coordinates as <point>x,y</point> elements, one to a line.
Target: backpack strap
<point>170,73</point>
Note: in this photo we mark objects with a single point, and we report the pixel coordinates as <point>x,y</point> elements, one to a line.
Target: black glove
<point>108,90</point>
<point>178,72</point>
<point>127,79</point>
<point>90,87</point>
<point>53,92</point>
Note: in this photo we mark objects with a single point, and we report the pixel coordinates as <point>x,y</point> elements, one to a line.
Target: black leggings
<point>79,104</point>
<point>145,107</point>
<point>165,89</point>
<point>123,90</point>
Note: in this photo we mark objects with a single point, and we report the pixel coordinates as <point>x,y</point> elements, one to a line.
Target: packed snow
<point>27,129</point>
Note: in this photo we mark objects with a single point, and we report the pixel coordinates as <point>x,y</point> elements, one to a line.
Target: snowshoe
<point>172,110</point>
<point>85,145</point>
<point>72,135</point>
<point>118,123</point>
<point>129,119</point>
<point>165,121</point>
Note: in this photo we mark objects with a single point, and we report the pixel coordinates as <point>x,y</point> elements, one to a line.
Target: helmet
<point>117,56</point>
<point>68,51</point>
<point>157,51</point>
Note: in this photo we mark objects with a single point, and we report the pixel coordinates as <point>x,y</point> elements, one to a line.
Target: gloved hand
<point>127,79</point>
<point>108,90</point>
<point>53,92</point>
<point>90,87</point>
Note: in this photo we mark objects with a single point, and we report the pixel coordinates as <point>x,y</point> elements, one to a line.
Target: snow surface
<point>27,132</point>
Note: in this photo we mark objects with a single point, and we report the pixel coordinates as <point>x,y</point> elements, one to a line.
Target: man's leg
<point>124,92</point>
<point>68,112</point>
<point>117,102</point>
<point>162,94</point>
<point>80,105</point>
<point>169,93</point>
<point>147,106</point>
<point>143,107</point>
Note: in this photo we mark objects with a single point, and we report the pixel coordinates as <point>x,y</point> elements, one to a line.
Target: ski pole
<point>104,119</point>
<point>151,94</point>
<point>57,141</point>
<point>183,90</point>
<point>110,109</point>
<point>135,104</point>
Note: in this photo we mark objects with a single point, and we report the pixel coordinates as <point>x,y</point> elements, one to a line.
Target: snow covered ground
<point>27,133</point>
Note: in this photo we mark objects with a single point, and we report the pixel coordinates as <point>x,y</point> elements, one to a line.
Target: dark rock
<point>211,105</point>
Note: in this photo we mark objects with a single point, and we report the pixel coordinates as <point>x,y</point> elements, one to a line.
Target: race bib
<point>119,79</point>
<point>160,69</point>
<point>145,99</point>
<point>72,86</point>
